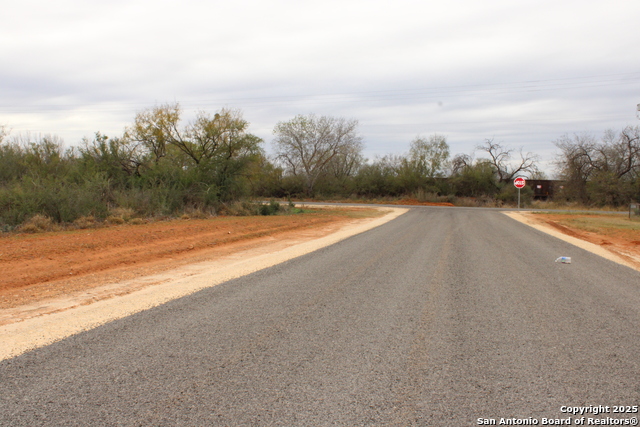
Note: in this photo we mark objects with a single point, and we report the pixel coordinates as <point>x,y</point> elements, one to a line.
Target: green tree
<point>12,160</point>
<point>117,157</point>
<point>213,151</point>
<point>427,160</point>
<point>475,179</point>
<point>429,157</point>
<point>379,178</point>
<point>154,129</point>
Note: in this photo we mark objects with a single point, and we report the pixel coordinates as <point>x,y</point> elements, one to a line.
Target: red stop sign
<point>519,182</point>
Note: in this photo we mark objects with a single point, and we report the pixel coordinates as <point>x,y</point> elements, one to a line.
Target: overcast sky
<point>521,72</point>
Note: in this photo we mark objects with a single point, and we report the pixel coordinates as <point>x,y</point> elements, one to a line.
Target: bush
<point>509,194</point>
<point>124,213</point>
<point>85,222</point>
<point>115,220</point>
<point>239,208</point>
<point>36,224</point>
<point>271,209</point>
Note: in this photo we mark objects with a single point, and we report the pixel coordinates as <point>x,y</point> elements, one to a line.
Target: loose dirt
<point>41,266</point>
<point>621,246</point>
<point>58,284</point>
<point>51,265</point>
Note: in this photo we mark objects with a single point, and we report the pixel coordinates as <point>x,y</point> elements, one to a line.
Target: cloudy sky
<point>521,72</point>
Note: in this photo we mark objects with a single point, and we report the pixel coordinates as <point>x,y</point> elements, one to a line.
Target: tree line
<point>163,166</point>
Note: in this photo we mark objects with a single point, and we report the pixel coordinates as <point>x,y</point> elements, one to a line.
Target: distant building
<point>544,189</point>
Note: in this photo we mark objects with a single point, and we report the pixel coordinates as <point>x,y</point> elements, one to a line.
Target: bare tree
<point>620,154</point>
<point>346,163</point>
<point>460,162</point>
<point>577,158</point>
<point>501,160</point>
<point>306,145</point>
<point>602,170</point>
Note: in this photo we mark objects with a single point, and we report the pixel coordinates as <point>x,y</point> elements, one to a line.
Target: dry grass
<point>115,220</point>
<point>86,222</point>
<point>617,226</point>
<point>38,224</point>
<point>603,224</point>
<point>124,213</point>
<point>572,206</point>
<point>196,214</point>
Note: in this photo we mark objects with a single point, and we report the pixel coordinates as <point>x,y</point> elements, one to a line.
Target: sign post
<point>519,183</point>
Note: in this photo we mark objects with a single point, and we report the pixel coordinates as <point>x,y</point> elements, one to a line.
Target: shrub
<point>121,212</point>
<point>115,220</point>
<point>239,208</point>
<point>509,194</point>
<point>36,224</point>
<point>85,222</point>
<point>271,209</point>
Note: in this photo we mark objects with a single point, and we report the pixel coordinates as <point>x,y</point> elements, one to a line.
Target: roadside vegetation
<point>618,234</point>
<point>162,167</point>
<point>599,223</point>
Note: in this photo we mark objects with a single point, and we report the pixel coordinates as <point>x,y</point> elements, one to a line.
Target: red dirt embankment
<point>48,265</point>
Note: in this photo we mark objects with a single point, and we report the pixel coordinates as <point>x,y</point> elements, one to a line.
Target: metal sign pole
<point>519,183</point>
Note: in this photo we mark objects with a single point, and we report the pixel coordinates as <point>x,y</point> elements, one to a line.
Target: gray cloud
<point>521,72</point>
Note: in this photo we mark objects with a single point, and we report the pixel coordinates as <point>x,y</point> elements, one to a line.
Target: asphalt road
<point>438,318</point>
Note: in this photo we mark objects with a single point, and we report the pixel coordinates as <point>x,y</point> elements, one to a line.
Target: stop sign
<point>519,182</point>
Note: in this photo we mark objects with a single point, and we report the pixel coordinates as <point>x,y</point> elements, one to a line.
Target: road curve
<point>441,317</point>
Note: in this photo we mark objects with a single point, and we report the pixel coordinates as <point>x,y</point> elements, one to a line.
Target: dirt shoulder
<point>115,272</point>
<point>616,244</point>
<point>48,265</point>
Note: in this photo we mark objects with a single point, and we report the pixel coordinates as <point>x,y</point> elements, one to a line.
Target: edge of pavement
<point>18,338</point>
<point>583,244</point>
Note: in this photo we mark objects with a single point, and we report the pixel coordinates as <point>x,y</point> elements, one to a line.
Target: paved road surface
<point>438,318</point>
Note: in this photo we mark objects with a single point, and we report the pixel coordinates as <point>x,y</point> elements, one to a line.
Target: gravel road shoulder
<point>70,318</point>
